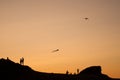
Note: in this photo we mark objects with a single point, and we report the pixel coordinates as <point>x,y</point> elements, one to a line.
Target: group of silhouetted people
<point>78,71</point>
<point>22,61</point>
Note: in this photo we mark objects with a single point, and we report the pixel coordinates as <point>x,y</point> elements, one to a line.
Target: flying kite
<point>86,18</point>
<point>55,50</point>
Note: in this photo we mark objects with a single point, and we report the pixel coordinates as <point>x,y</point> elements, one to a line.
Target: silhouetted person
<point>67,72</point>
<point>22,61</point>
<point>77,71</point>
<point>8,58</point>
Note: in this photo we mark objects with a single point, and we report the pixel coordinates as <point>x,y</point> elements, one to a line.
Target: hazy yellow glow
<point>33,28</point>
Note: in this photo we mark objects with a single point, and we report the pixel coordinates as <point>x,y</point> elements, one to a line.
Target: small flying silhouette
<point>86,18</point>
<point>55,50</point>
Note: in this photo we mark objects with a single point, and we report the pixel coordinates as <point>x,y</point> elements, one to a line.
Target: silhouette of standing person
<point>22,60</point>
<point>77,71</point>
<point>7,58</point>
<point>67,72</point>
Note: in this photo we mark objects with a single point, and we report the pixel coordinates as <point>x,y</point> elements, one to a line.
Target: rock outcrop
<point>10,70</point>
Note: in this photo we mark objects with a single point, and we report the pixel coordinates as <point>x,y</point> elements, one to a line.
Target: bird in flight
<point>56,50</point>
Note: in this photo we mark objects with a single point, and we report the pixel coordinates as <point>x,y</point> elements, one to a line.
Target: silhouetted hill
<point>10,70</point>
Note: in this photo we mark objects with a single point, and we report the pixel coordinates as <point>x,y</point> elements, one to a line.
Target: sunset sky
<point>34,28</point>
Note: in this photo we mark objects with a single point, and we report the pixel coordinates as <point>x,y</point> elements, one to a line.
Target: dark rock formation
<point>96,70</point>
<point>10,70</point>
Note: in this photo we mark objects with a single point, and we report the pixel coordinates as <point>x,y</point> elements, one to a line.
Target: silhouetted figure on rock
<point>67,72</point>
<point>22,61</point>
<point>8,58</point>
<point>77,71</point>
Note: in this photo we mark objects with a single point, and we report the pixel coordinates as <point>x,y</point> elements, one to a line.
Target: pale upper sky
<point>33,28</point>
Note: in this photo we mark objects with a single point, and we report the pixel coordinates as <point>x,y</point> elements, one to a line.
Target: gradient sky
<point>33,28</point>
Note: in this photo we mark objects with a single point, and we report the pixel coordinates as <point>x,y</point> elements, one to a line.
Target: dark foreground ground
<point>10,70</point>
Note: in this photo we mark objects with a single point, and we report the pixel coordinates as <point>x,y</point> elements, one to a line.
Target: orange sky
<point>33,28</point>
